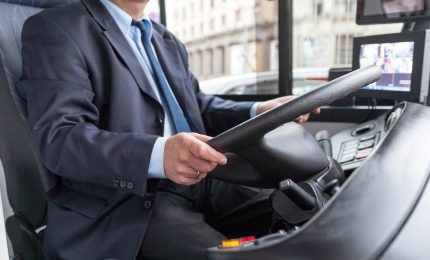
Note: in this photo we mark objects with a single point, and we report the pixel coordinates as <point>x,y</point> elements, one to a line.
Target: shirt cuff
<point>253,111</point>
<point>156,164</point>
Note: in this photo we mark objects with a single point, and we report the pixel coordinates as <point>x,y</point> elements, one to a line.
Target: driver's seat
<point>25,181</point>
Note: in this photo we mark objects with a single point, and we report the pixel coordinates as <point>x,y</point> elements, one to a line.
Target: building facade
<point>225,37</point>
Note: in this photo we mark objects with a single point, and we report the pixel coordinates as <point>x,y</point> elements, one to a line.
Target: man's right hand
<point>188,159</point>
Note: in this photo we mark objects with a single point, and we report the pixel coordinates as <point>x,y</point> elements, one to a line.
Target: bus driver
<point>115,113</point>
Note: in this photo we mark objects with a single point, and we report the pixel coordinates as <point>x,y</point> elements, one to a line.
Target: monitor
<point>392,11</point>
<point>405,72</point>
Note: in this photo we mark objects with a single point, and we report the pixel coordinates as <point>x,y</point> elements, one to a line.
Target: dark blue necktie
<point>181,124</point>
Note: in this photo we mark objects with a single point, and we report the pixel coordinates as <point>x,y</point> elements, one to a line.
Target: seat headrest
<point>41,3</point>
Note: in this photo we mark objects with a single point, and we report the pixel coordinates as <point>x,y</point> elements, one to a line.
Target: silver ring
<point>197,174</point>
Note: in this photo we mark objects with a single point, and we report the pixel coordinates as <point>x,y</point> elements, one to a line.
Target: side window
<point>228,39</point>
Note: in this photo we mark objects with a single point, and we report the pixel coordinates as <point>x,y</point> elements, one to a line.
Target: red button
<point>363,154</point>
<point>246,239</point>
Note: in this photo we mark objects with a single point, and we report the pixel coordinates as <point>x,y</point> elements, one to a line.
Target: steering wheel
<point>266,159</point>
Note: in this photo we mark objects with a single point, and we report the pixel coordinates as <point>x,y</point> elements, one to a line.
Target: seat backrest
<point>25,180</point>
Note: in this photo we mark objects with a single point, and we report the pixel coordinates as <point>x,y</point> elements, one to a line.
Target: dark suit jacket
<point>94,118</point>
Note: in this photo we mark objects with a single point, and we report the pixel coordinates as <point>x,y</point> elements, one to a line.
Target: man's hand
<point>188,159</point>
<point>267,105</point>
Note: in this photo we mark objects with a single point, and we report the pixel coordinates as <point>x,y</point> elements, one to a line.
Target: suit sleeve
<point>63,121</point>
<point>219,114</point>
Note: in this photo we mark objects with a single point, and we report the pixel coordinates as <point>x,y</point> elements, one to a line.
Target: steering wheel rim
<point>257,127</point>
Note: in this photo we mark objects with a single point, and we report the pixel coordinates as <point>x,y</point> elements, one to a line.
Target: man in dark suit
<point>114,112</point>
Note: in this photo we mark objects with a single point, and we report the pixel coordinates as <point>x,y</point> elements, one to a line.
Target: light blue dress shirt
<point>133,36</point>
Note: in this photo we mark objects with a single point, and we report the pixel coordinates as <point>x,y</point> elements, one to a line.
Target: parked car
<point>264,83</point>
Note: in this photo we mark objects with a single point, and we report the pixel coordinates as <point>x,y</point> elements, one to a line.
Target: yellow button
<point>230,243</point>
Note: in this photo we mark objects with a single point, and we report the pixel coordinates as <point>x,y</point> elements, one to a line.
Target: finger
<point>317,111</point>
<point>203,138</point>
<point>299,119</point>
<point>190,160</point>
<point>185,180</point>
<point>201,165</point>
<point>285,99</point>
<point>188,172</point>
<point>202,176</point>
<point>203,151</point>
<point>305,118</point>
<point>199,176</point>
<point>188,181</point>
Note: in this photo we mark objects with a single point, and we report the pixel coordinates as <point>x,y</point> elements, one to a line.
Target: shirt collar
<point>123,19</point>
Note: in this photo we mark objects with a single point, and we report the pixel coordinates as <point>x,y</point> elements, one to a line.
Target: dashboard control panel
<point>352,146</point>
<point>357,149</point>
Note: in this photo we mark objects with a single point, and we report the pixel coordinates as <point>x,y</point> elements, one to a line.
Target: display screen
<point>396,62</point>
<point>392,10</point>
<point>397,8</point>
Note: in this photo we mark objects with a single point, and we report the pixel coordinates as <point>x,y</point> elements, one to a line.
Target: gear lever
<point>324,140</point>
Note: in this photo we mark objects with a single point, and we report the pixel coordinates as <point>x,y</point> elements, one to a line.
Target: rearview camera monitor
<point>405,71</point>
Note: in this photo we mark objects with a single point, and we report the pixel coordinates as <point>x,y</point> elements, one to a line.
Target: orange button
<point>230,243</point>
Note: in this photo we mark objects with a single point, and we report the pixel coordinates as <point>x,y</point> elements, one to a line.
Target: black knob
<point>297,195</point>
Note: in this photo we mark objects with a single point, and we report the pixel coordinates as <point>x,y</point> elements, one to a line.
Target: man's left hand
<point>267,105</point>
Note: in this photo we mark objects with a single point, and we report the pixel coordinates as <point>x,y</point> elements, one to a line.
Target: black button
<point>122,184</point>
<point>130,185</point>
<point>116,183</point>
<point>147,204</point>
<point>159,122</point>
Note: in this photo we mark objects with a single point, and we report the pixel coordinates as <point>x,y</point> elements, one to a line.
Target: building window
<point>318,8</point>
<point>344,9</point>
<point>237,59</point>
<point>344,49</point>
<point>212,24</point>
<point>210,61</point>
<point>191,61</point>
<point>274,54</point>
<point>238,15</point>
<point>199,63</point>
<point>219,61</point>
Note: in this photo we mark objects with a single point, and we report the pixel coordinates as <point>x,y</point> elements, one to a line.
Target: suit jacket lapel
<point>170,62</point>
<point>119,44</point>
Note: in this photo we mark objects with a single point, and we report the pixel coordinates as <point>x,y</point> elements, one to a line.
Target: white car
<point>264,83</point>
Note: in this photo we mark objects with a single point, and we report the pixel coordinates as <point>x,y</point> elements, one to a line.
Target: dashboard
<point>380,212</point>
